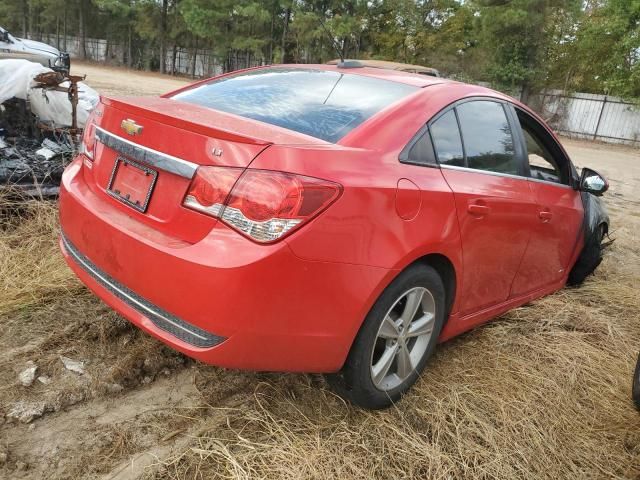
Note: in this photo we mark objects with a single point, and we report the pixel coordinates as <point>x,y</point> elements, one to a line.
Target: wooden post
<point>604,104</point>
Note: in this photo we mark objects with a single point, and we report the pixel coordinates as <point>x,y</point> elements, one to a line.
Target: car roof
<point>408,78</point>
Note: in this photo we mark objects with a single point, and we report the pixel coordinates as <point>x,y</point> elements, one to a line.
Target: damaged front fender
<point>595,228</point>
<point>595,215</point>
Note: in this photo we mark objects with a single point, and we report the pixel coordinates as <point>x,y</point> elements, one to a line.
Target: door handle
<point>476,209</point>
<point>545,215</point>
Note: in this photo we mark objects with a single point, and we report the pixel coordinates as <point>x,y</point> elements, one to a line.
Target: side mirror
<point>592,182</point>
<point>4,37</point>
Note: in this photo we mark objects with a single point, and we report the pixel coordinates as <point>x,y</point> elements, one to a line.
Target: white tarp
<point>16,80</point>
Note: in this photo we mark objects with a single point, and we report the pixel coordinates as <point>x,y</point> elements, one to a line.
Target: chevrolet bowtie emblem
<point>131,127</point>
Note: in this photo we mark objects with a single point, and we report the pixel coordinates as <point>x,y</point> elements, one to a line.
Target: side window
<point>421,152</point>
<point>446,140</point>
<point>488,140</point>
<point>542,164</point>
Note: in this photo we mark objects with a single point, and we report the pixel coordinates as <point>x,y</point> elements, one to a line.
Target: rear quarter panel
<point>363,226</point>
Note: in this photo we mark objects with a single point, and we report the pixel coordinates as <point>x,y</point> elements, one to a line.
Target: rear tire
<point>395,341</point>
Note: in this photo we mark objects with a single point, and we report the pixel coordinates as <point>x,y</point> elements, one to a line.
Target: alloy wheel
<point>403,338</point>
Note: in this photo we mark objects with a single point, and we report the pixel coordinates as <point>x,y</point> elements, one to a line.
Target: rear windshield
<point>323,104</point>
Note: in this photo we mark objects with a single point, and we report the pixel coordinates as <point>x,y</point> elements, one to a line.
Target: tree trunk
<point>525,93</point>
<point>64,29</point>
<point>195,57</point>
<point>57,31</point>
<point>82,27</point>
<point>273,21</point>
<point>37,29</point>
<point>173,58</point>
<point>285,30</point>
<point>129,46</point>
<point>25,18</point>
<point>163,36</point>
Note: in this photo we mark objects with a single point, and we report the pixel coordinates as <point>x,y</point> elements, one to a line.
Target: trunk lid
<point>166,140</point>
<point>208,122</point>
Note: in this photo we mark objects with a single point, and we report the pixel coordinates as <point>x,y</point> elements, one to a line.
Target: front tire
<point>395,341</point>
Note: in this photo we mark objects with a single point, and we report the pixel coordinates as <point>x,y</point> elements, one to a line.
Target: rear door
<point>481,161</point>
<point>557,228</point>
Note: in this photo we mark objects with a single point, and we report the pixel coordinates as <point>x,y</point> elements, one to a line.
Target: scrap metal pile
<point>42,115</point>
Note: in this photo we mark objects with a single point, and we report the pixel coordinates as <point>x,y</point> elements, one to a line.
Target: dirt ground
<point>542,392</point>
<point>120,81</point>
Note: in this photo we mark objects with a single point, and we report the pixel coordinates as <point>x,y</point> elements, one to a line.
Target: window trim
<point>486,172</point>
<point>441,114</point>
<point>518,154</point>
<point>550,143</point>
<point>404,153</point>
<point>464,148</point>
<point>518,138</point>
<point>511,110</point>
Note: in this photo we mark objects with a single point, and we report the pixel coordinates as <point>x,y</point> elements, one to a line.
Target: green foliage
<point>228,24</point>
<point>520,34</point>
<point>607,48</point>
<point>588,45</point>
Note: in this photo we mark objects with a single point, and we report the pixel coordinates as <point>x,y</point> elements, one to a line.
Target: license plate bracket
<point>132,183</point>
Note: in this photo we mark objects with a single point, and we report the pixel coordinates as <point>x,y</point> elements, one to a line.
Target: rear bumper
<point>224,300</point>
<point>162,319</point>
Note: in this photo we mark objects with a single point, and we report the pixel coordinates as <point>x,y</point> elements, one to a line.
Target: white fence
<point>590,116</point>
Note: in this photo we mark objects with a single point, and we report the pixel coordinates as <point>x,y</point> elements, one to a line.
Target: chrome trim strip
<point>162,161</point>
<point>556,184</point>
<point>485,172</point>
<point>163,320</point>
<point>508,175</point>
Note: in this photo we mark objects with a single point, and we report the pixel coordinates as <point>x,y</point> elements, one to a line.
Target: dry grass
<point>30,266</point>
<point>544,392</point>
<point>45,312</point>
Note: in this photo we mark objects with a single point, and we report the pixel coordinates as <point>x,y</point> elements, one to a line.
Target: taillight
<point>263,205</point>
<point>210,188</point>
<point>88,144</point>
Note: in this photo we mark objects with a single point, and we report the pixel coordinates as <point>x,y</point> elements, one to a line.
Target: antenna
<point>333,40</point>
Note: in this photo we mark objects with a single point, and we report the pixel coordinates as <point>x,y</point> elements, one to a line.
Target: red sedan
<point>327,218</point>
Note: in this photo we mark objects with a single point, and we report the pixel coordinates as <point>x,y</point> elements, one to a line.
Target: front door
<point>559,214</point>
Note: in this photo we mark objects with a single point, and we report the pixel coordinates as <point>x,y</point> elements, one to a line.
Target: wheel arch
<point>445,268</point>
<point>442,265</point>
